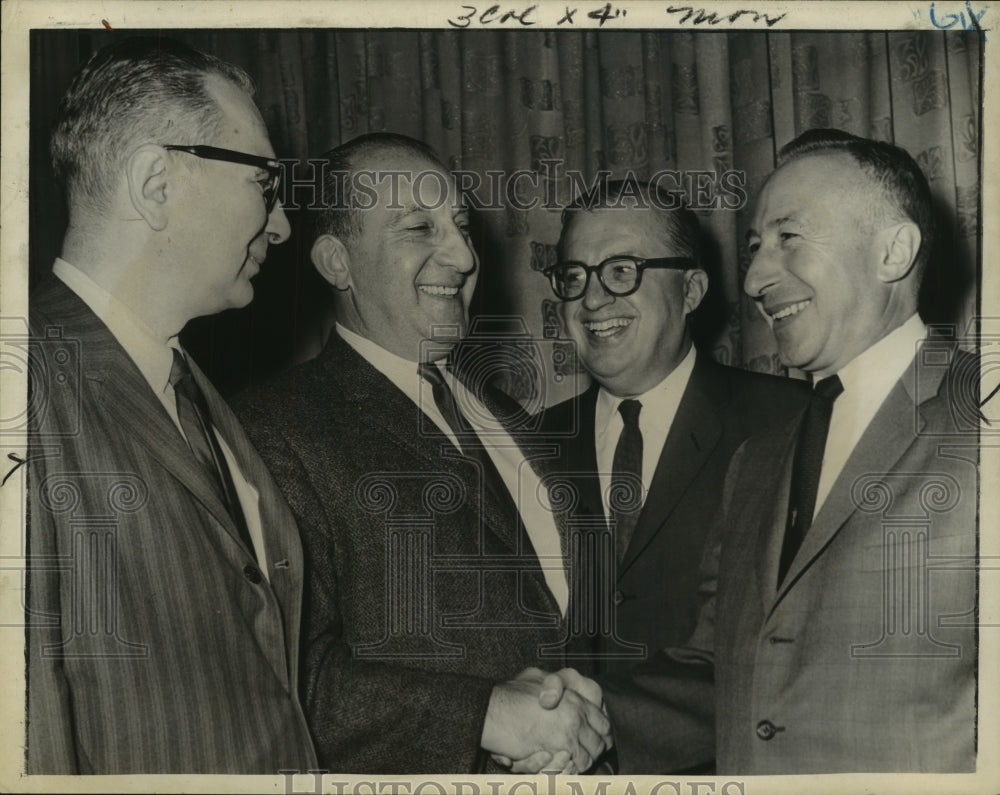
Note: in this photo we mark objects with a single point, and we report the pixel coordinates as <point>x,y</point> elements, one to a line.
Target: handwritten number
<point>464,19</point>
<point>604,14</point>
<point>19,462</point>
<point>949,21</point>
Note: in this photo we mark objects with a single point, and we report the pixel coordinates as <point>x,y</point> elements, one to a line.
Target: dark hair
<point>680,225</point>
<point>135,91</point>
<point>903,188</point>
<point>338,216</point>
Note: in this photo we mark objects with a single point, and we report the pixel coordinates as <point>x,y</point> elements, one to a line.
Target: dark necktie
<point>806,468</point>
<point>466,438</point>
<point>196,420</point>
<point>626,477</point>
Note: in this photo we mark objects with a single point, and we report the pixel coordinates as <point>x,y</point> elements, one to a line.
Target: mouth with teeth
<point>787,311</point>
<point>607,328</point>
<point>439,290</point>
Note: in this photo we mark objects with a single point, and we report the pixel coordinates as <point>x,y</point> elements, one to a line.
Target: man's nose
<point>596,296</point>
<point>455,251</point>
<point>762,273</point>
<point>278,229</point>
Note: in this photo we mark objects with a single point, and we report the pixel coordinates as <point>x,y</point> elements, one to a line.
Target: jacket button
<point>619,598</point>
<point>253,575</point>
<point>766,730</point>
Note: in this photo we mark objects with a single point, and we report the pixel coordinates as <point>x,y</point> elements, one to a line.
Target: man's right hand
<point>519,726</point>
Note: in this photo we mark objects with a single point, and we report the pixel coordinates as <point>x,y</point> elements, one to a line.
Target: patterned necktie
<point>192,410</point>
<point>444,399</point>
<point>806,468</point>
<point>466,438</point>
<point>626,477</point>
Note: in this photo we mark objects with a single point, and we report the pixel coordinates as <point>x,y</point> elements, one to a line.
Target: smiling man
<point>436,573</point>
<point>838,633</point>
<point>629,277</point>
<point>165,575</point>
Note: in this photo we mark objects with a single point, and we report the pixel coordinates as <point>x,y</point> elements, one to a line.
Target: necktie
<point>468,441</point>
<point>192,410</point>
<point>444,399</point>
<point>806,468</point>
<point>626,476</point>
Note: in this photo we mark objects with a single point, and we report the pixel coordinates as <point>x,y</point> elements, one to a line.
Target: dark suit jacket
<point>652,597</point>
<point>155,645</point>
<point>423,591</point>
<point>865,658</point>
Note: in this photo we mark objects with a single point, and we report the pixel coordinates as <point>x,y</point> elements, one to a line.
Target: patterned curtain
<point>516,102</point>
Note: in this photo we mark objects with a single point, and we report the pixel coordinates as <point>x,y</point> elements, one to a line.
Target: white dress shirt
<point>659,407</point>
<point>867,380</point>
<point>154,360</point>
<point>517,474</point>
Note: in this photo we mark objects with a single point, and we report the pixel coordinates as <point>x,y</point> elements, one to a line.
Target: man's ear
<point>146,172</point>
<point>332,260</point>
<point>897,248</point>
<point>695,287</point>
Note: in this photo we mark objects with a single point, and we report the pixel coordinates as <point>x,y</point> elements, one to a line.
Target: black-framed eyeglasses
<point>272,167</point>
<point>619,276</point>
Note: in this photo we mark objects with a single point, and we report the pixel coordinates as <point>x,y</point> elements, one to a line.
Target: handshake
<point>553,723</point>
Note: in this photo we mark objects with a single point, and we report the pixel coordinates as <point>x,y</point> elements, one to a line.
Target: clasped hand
<point>553,722</point>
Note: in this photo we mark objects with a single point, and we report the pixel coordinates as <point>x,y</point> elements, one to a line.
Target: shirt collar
<point>152,356</point>
<point>402,372</point>
<point>655,401</point>
<point>874,371</point>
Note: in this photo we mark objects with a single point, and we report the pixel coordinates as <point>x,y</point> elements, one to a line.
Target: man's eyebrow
<point>401,212</point>
<point>784,219</point>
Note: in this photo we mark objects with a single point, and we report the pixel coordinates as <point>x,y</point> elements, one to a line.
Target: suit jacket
<point>155,645</point>
<point>652,598</point>
<point>423,589</point>
<point>864,659</point>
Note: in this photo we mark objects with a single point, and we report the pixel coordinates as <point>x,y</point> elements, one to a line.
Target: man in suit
<point>629,276</point>
<point>840,624</point>
<point>165,569</point>
<point>435,573</point>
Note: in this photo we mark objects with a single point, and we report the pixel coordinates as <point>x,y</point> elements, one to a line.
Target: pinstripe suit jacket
<point>155,645</point>
<point>422,590</point>
<point>864,659</point>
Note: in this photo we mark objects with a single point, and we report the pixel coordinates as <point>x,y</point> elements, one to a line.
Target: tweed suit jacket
<point>423,589</point>
<point>653,597</point>
<point>155,645</point>
<point>865,657</point>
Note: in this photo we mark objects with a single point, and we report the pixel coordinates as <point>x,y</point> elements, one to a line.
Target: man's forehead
<point>620,221</point>
<point>796,189</point>
<point>240,117</point>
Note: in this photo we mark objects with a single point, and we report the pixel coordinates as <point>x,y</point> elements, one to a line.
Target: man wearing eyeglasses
<point>656,429</point>
<point>165,575</point>
<point>839,631</point>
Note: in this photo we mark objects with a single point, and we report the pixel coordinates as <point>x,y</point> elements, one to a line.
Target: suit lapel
<point>580,455</point>
<point>126,395</point>
<point>364,386</point>
<point>694,432</point>
<point>893,429</point>
<point>279,531</point>
<point>770,501</point>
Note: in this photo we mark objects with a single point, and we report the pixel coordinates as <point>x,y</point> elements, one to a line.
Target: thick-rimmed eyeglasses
<point>619,276</point>
<point>272,167</point>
